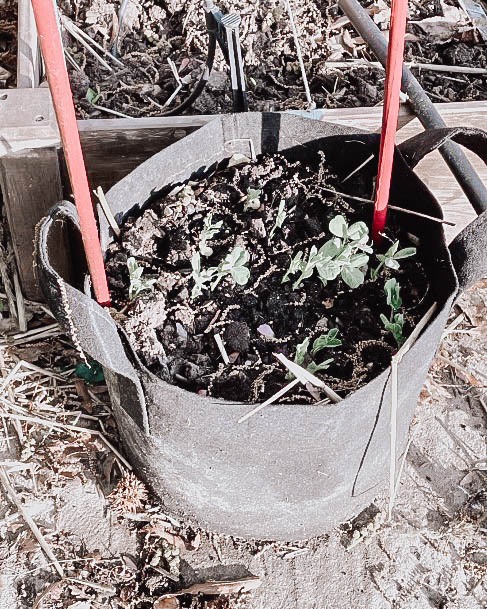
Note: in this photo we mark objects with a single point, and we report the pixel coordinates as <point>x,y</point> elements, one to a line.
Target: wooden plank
<point>27,120</point>
<point>28,54</point>
<point>31,184</point>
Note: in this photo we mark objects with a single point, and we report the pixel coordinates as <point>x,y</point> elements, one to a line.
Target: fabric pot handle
<point>90,326</point>
<point>469,248</point>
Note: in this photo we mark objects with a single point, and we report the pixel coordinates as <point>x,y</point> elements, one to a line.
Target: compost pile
<point>8,43</point>
<point>153,32</point>
<point>264,257</point>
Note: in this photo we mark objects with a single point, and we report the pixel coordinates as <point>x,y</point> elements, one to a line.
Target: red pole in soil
<point>57,76</point>
<point>395,60</point>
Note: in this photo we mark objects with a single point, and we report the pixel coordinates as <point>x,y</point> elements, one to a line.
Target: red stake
<point>57,76</point>
<point>395,59</point>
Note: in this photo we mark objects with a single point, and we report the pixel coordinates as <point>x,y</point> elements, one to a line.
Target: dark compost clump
<point>207,262</point>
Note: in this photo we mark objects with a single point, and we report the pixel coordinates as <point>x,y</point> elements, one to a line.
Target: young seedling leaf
<point>137,283</point>
<point>280,218</point>
<point>357,231</point>
<point>313,368</point>
<point>353,277</point>
<point>208,232</point>
<point>392,290</point>
<point>301,352</point>
<point>326,341</point>
<point>252,200</point>
<point>338,226</point>
<point>406,252</point>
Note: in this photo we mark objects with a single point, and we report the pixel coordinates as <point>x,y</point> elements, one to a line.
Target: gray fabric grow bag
<point>292,471</point>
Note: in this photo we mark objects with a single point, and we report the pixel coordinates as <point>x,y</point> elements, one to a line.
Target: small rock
<point>237,337</point>
<point>257,227</point>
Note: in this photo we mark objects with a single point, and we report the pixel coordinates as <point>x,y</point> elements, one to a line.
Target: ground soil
<point>174,334</point>
<point>117,545</point>
<point>8,43</point>
<point>154,32</point>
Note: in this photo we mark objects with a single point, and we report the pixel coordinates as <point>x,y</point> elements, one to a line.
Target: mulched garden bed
<point>8,43</point>
<point>213,258</point>
<point>152,32</point>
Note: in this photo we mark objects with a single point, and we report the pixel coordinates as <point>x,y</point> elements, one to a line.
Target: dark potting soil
<point>174,334</point>
<point>154,31</point>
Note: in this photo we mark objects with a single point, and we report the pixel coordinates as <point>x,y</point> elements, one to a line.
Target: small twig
<point>393,435</point>
<point>72,61</point>
<point>110,111</point>
<point>306,377</point>
<point>166,573</point>
<point>394,207</point>
<point>395,361</point>
<point>299,54</point>
<point>83,42</point>
<point>221,347</point>
<point>411,339</point>
<point>56,425</point>
<point>432,67</point>
<point>270,400</point>
<point>361,166</point>
<point>32,525</point>
<point>299,372</point>
<point>20,304</point>
<point>470,378</point>
<point>74,30</point>
<point>32,335</point>
<point>96,586</point>
<point>7,285</point>
<point>107,211</point>
<point>456,322</point>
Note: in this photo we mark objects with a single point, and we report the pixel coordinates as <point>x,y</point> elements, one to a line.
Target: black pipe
<point>429,117</point>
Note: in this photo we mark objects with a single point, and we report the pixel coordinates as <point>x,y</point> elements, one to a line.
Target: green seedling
<point>304,357</point>
<point>345,255</point>
<point>92,96</point>
<point>252,200</point>
<point>138,284</point>
<point>391,257</point>
<point>395,323</point>
<point>207,234</point>
<point>233,265</point>
<point>201,278</point>
<point>280,218</point>
<point>326,341</point>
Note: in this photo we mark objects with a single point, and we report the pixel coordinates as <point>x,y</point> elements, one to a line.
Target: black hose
<point>198,90</point>
<point>424,109</point>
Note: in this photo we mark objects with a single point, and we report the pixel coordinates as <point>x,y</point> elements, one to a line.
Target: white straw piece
<point>110,111</point>
<point>221,347</point>
<point>89,40</point>
<point>289,9</point>
<point>107,211</point>
<point>299,372</point>
<point>270,400</point>
<point>395,361</point>
<point>83,42</point>
<point>393,436</point>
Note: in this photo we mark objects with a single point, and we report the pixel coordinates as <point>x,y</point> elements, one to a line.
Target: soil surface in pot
<point>156,31</point>
<point>208,261</point>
